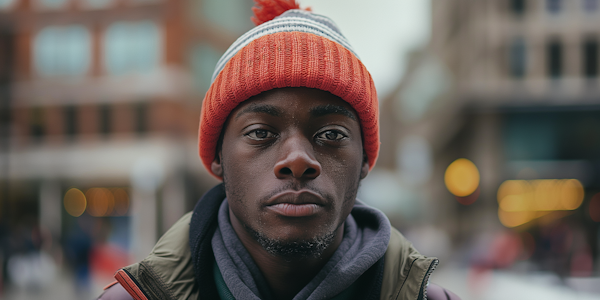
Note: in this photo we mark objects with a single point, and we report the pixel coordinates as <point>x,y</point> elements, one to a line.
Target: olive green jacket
<point>168,273</point>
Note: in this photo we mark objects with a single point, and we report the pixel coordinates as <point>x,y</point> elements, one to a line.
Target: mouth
<point>302,203</point>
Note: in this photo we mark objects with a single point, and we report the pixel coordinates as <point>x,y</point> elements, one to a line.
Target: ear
<point>364,171</point>
<point>216,167</point>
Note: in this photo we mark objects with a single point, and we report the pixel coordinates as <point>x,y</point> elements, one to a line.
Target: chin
<point>312,247</point>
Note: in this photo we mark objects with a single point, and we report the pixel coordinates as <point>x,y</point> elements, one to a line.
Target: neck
<point>286,276</point>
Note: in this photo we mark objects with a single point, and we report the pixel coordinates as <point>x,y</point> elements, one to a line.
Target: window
<point>590,58</point>
<point>517,7</point>
<point>95,4</point>
<point>37,123</point>
<point>132,47</point>
<point>554,59</point>
<point>70,121</point>
<point>530,137</point>
<point>517,58</point>
<point>144,1</point>
<point>52,3</point>
<point>105,119</point>
<point>232,15</point>
<point>62,50</point>
<point>204,58</point>
<point>559,135</point>
<point>554,6</point>
<point>5,4</point>
<point>141,118</point>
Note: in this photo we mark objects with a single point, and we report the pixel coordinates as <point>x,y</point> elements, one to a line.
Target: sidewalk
<point>62,287</point>
<point>502,285</point>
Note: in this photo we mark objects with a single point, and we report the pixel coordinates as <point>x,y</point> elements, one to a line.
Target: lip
<point>302,203</point>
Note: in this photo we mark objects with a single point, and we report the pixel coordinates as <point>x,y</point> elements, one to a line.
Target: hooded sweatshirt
<point>361,248</point>
<point>182,264</point>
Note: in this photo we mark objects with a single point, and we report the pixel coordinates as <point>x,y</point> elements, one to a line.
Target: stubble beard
<point>311,248</point>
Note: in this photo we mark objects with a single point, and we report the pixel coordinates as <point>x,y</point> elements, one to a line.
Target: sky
<point>382,32</point>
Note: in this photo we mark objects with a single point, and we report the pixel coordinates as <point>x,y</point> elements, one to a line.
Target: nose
<point>297,160</point>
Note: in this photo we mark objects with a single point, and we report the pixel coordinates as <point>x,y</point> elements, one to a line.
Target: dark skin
<point>291,160</point>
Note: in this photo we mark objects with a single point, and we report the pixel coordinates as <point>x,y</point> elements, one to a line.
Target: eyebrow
<point>260,108</point>
<point>327,109</point>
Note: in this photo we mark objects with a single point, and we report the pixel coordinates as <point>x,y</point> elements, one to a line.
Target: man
<point>290,124</point>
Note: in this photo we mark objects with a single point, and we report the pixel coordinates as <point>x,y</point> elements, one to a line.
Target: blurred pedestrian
<point>78,247</point>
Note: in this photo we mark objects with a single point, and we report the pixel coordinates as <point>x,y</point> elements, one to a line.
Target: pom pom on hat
<point>267,10</point>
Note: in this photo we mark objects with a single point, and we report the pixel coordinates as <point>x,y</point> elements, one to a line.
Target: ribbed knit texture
<point>289,59</point>
<point>295,20</point>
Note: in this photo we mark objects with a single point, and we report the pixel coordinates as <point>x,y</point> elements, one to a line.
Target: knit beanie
<point>289,47</point>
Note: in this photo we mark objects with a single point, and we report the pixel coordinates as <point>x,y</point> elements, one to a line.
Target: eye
<point>331,135</point>
<point>260,134</point>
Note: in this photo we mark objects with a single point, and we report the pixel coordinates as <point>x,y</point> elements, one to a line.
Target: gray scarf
<point>361,247</point>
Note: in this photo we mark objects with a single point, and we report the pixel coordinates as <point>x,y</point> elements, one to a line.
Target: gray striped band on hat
<point>289,21</point>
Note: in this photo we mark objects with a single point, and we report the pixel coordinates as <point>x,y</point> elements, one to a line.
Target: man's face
<point>291,160</point>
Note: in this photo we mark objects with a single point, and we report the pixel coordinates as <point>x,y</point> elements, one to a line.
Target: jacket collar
<point>171,271</point>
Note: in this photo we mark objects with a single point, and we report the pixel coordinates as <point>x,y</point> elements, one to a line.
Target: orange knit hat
<point>295,49</point>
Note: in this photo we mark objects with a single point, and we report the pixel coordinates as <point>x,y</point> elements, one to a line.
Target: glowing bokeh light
<point>571,193</point>
<point>594,208</point>
<point>470,199</point>
<point>110,198</point>
<point>513,187</point>
<point>121,201</point>
<point>461,177</point>
<point>521,201</point>
<point>514,219</point>
<point>100,202</point>
<point>74,202</point>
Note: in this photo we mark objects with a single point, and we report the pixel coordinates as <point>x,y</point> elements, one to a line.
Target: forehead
<point>291,101</point>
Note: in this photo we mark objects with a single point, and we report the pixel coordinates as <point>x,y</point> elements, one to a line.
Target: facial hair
<point>311,248</point>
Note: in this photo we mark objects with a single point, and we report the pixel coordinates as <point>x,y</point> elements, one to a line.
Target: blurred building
<point>99,108</point>
<point>514,87</point>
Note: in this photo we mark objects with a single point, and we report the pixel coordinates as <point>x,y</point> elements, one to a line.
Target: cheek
<point>234,176</point>
<point>345,165</point>
<point>243,172</point>
<point>343,171</point>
